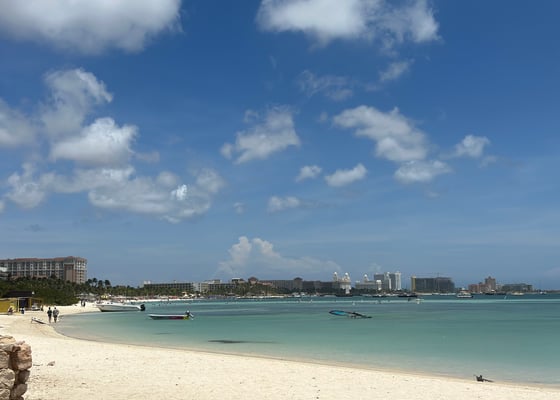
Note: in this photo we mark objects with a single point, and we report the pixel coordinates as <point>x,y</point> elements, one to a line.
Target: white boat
<point>463,294</point>
<point>113,307</point>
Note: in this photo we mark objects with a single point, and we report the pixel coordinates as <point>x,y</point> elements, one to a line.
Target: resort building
<point>71,269</point>
<point>343,284</point>
<point>285,285</point>
<point>517,288</point>
<point>175,286</point>
<point>369,285</point>
<point>489,286</point>
<point>298,285</point>
<point>432,285</point>
<point>387,282</point>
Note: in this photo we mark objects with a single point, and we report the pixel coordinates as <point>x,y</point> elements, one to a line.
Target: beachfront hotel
<point>432,285</point>
<point>387,282</point>
<point>72,269</point>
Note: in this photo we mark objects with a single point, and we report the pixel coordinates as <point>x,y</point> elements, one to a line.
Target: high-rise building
<point>432,285</point>
<point>397,281</point>
<point>73,269</point>
<point>390,281</point>
<point>369,285</point>
<point>490,284</point>
<point>344,284</point>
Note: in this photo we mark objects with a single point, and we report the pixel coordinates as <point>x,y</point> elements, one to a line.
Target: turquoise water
<point>512,339</point>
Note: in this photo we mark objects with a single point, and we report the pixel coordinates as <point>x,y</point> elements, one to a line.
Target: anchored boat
<point>349,314</point>
<point>113,307</point>
<point>184,316</point>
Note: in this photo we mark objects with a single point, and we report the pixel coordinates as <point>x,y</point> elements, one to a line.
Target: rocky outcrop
<point>15,363</point>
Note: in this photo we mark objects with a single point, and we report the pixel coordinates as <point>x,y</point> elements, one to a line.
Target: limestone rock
<point>4,359</point>
<point>23,376</point>
<point>7,339</point>
<point>7,378</point>
<point>5,394</point>
<point>19,390</point>
<point>15,362</point>
<point>21,359</point>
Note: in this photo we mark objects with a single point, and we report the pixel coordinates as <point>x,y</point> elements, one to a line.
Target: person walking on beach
<point>49,314</point>
<point>55,314</point>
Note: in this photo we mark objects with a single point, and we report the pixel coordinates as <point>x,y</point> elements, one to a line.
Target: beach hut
<point>20,299</point>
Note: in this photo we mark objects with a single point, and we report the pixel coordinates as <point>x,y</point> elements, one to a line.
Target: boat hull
<point>349,314</point>
<point>115,307</point>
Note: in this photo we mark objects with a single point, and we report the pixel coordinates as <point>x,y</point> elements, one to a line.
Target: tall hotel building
<point>73,269</point>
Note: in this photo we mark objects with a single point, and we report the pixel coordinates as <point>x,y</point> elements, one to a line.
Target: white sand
<point>85,370</point>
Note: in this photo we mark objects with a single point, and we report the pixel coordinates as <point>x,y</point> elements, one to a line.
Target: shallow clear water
<point>513,339</point>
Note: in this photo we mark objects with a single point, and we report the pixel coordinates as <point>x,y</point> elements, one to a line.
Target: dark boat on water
<point>349,314</point>
<point>184,316</point>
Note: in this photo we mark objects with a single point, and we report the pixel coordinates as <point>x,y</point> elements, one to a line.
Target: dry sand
<point>66,368</point>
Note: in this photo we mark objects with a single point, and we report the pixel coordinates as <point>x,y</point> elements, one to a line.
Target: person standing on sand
<point>55,314</point>
<point>49,313</point>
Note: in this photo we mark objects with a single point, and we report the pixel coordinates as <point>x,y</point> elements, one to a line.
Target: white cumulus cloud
<point>101,152</point>
<point>421,171</point>
<point>276,203</point>
<point>345,177</point>
<point>336,88</point>
<point>163,197</point>
<point>101,143</point>
<point>257,257</point>
<point>74,93</point>
<point>145,195</point>
<point>15,129</point>
<point>89,26</point>
<point>180,193</point>
<point>26,190</point>
<point>396,138</point>
<point>394,71</point>
<point>471,146</point>
<point>308,172</point>
<point>239,207</point>
<point>327,20</point>
<point>276,133</point>
<point>209,180</point>
<point>84,180</point>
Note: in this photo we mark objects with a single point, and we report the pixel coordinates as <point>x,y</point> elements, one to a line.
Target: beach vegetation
<point>52,290</point>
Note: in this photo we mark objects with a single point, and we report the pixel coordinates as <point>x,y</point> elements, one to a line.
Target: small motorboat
<point>114,307</point>
<point>184,316</point>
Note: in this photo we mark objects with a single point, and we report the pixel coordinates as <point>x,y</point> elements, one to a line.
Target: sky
<point>205,139</point>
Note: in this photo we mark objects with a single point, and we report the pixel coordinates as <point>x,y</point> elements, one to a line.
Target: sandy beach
<point>67,368</point>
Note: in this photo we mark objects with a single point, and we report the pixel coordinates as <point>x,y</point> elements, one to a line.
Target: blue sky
<point>191,140</point>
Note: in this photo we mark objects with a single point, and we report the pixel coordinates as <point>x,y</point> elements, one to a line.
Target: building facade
<point>390,281</point>
<point>432,285</point>
<point>176,286</point>
<point>386,282</point>
<point>72,269</point>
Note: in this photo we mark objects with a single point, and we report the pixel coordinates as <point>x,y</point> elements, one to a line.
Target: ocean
<point>509,339</point>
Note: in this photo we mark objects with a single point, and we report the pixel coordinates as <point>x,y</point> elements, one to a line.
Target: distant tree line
<point>53,290</point>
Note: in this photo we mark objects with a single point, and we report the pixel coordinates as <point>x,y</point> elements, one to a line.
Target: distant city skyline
<point>405,284</point>
<point>196,139</point>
